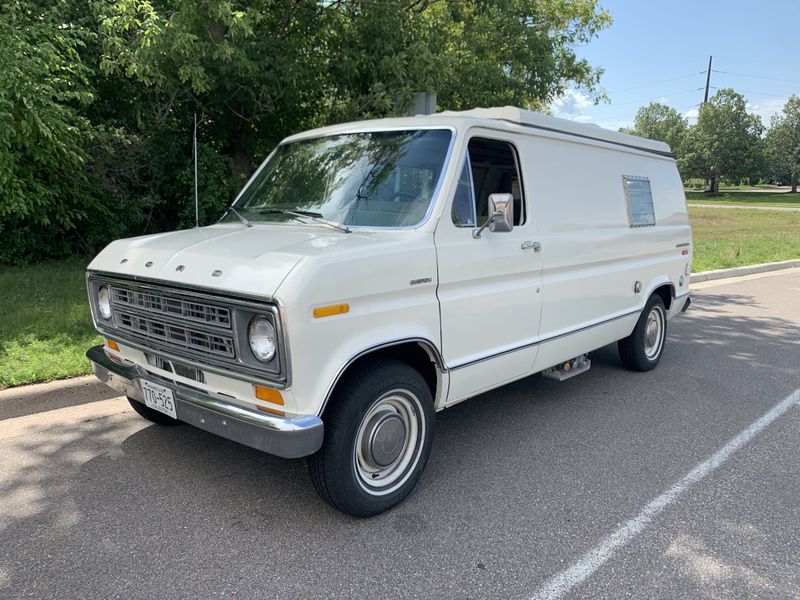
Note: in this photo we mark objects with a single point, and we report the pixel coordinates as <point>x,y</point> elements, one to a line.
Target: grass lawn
<point>754,198</point>
<point>45,322</point>
<point>738,237</point>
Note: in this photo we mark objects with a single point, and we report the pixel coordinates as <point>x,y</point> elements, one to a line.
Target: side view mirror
<point>501,215</point>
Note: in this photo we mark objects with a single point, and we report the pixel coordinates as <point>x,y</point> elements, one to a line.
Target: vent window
<point>640,201</point>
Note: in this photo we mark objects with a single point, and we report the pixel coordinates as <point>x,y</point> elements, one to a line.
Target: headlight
<point>104,302</point>
<point>262,338</point>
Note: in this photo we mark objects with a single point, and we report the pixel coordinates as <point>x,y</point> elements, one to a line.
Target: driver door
<point>489,288</point>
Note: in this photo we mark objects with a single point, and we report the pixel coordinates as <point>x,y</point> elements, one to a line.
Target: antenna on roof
<point>196,191</point>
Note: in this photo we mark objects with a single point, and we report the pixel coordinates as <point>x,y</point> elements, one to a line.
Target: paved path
<point>747,206</point>
<point>773,190</point>
<point>678,483</point>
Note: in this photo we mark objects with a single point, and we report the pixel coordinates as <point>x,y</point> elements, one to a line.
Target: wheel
<point>152,415</point>
<point>642,349</point>
<point>378,435</point>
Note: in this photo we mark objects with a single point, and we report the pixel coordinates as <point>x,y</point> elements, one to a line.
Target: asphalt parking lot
<point>679,483</point>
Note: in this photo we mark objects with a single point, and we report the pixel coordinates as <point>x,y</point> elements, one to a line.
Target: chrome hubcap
<point>388,441</point>
<point>654,333</point>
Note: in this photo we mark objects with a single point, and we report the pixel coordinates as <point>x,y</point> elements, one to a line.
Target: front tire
<point>378,436</point>
<point>152,415</point>
<point>642,349</point>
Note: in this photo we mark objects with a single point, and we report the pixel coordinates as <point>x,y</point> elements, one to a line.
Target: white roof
<point>492,117</point>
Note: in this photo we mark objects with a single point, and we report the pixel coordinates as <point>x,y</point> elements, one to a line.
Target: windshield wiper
<point>307,214</point>
<point>241,218</point>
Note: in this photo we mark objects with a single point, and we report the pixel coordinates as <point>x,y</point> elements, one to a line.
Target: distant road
<point>773,190</point>
<point>747,206</point>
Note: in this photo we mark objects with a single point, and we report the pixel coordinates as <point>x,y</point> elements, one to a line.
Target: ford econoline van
<point>371,274</point>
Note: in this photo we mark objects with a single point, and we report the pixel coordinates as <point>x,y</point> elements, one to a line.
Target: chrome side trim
<point>287,437</point>
<point>545,339</point>
<point>427,345</point>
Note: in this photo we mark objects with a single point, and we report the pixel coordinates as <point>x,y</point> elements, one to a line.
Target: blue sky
<point>657,50</point>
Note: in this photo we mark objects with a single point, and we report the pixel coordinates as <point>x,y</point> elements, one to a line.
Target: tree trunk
<point>794,183</point>
<point>242,159</point>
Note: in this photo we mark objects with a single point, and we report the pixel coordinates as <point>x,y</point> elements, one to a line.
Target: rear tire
<point>152,415</point>
<point>378,437</point>
<point>642,349</point>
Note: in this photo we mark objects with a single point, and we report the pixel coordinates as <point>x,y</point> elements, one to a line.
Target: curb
<point>41,397</point>
<point>748,270</point>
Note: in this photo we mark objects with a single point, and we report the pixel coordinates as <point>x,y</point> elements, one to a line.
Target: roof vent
<point>422,103</point>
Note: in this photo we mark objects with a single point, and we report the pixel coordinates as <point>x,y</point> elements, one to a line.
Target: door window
<point>491,167</point>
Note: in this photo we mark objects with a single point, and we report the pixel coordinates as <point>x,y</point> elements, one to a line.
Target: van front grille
<point>173,306</point>
<point>176,335</point>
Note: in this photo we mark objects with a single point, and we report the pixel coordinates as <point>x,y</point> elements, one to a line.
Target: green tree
<point>658,121</point>
<point>261,71</point>
<point>97,99</point>
<point>783,143</point>
<point>43,88</point>
<point>726,141</point>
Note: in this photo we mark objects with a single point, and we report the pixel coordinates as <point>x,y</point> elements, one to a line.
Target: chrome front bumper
<point>290,438</point>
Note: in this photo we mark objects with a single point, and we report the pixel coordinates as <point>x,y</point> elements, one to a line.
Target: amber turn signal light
<point>329,311</point>
<point>268,394</point>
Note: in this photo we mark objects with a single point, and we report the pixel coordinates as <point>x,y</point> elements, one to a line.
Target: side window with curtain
<point>491,168</point>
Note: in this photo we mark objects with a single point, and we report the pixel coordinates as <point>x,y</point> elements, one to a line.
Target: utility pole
<point>710,181</point>
<point>708,79</point>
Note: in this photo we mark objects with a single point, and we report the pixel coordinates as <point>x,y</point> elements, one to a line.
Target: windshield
<point>366,179</point>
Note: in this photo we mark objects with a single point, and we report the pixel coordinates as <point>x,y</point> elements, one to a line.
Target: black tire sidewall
<point>350,404</point>
<point>632,347</point>
<point>152,415</point>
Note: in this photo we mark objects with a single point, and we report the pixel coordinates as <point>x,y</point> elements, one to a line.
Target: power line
<point>656,97</point>
<point>753,93</point>
<point>643,85</point>
<point>756,76</point>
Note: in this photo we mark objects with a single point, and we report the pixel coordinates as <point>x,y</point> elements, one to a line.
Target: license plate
<point>159,398</point>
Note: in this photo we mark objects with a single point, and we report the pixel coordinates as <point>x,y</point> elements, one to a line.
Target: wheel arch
<point>419,353</point>
<point>665,289</point>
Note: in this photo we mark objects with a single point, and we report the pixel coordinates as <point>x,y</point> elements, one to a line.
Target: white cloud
<point>615,125</point>
<point>572,105</point>
<point>766,108</point>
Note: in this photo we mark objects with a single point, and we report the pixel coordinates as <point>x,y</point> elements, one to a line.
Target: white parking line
<point>595,558</point>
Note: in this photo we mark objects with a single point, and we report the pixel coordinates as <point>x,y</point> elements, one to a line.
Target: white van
<point>373,273</point>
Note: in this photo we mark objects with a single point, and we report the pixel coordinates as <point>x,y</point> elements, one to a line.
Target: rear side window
<point>639,199</point>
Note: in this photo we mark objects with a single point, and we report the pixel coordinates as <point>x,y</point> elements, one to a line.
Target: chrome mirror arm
<point>476,233</point>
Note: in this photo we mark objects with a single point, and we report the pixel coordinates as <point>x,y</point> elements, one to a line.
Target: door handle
<point>537,246</point>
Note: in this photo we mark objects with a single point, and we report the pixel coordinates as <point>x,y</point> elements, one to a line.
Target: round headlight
<point>262,339</point>
<point>104,302</point>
